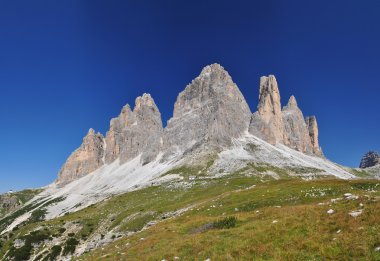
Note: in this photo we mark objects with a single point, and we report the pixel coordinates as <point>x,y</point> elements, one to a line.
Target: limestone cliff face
<point>312,126</point>
<point>209,112</point>
<point>87,158</point>
<point>286,126</point>
<point>267,123</point>
<point>132,133</point>
<point>296,133</point>
<point>135,132</point>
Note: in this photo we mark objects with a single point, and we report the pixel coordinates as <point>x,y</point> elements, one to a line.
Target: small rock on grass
<point>355,213</point>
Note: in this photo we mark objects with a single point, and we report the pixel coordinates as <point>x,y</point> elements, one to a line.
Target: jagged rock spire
<point>267,123</point>
<point>296,133</point>
<point>208,114</point>
<point>286,126</point>
<point>135,132</point>
<point>87,158</point>
<point>292,103</point>
<point>312,125</point>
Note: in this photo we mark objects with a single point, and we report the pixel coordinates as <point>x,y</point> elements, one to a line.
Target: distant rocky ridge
<point>370,159</point>
<point>135,132</point>
<point>208,114</point>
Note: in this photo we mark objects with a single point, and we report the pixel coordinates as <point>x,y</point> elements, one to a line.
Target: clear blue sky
<point>66,66</point>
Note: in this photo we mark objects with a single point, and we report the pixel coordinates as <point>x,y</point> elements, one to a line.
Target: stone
<point>86,159</point>
<point>134,133</point>
<point>370,159</point>
<point>208,113</point>
<point>8,203</point>
<point>287,126</point>
<point>330,211</point>
<point>207,116</point>
<point>267,123</point>
<point>355,213</point>
<point>296,132</point>
<point>312,125</point>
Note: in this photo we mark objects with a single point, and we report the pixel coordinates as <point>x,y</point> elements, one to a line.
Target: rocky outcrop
<point>286,126</point>
<point>267,123</point>
<point>87,158</point>
<point>296,132</point>
<point>137,132</point>
<point>312,125</point>
<point>132,133</point>
<point>209,112</point>
<point>8,203</point>
<point>370,159</point>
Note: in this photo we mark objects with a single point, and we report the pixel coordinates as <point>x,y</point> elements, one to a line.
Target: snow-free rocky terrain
<point>212,145</point>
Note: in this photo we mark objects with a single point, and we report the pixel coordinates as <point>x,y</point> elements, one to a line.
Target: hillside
<point>12,201</point>
<point>283,219</point>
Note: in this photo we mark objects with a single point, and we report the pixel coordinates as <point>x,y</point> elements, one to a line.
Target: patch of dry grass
<point>284,222</point>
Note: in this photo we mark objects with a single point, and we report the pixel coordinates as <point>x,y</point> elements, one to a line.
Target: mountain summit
<point>207,116</point>
<point>370,159</point>
<point>208,113</point>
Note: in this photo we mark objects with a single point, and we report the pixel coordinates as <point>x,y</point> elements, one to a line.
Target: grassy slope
<point>21,197</point>
<point>304,230</point>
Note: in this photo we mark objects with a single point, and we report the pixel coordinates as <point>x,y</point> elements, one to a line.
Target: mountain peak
<point>91,131</point>
<point>312,125</point>
<point>135,132</point>
<point>211,110</point>
<point>214,67</point>
<point>370,159</point>
<point>267,122</point>
<point>215,72</point>
<point>144,100</point>
<point>87,158</point>
<point>292,103</point>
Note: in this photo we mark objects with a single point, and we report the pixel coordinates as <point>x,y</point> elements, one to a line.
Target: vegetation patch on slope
<point>286,220</point>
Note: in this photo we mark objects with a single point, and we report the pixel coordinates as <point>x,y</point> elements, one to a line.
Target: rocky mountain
<point>287,125</point>
<point>87,158</point>
<point>132,133</point>
<point>133,178</point>
<point>208,113</point>
<point>370,159</point>
<point>135,132</point>
<point>207,116</point>
<point>312,126</point>
<point>212,132</point>
<point>267,122</point>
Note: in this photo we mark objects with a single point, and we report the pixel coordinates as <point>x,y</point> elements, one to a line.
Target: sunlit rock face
<point>207,116</point>
<point>267,122</point>
<point>209,112</point>
<point>296,133</point>
<point>87,158</point>
<point>135,132</point>
<point>286,126</point>
<point>312,126</point>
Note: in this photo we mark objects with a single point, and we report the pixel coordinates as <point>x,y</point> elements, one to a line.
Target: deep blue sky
<point>66,66</point>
